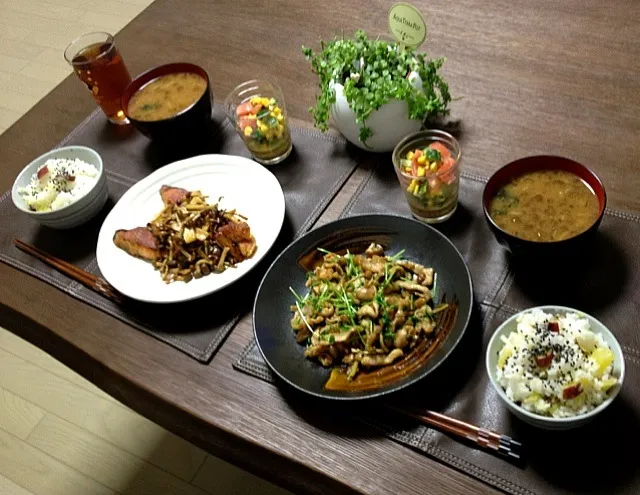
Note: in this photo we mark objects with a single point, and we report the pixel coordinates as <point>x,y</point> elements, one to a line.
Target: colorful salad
<point>432,178</point>
<point>262,122</point>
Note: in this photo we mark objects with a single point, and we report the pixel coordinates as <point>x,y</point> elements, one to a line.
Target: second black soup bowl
<point>522,247</point>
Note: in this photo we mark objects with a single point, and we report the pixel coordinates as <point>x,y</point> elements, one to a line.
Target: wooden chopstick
<point>87,279</point>
<point>487,439</point>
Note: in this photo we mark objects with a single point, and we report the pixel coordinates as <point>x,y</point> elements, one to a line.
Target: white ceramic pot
<point>390,123</point>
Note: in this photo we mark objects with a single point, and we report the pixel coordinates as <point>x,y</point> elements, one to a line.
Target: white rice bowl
<point>62,182</point>
<point>554,364</point>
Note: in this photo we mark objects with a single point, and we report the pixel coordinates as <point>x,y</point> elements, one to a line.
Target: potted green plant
<point>377,91</point>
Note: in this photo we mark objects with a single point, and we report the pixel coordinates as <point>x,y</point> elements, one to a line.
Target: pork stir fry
<point>365,311</point>
<point>189,238</point>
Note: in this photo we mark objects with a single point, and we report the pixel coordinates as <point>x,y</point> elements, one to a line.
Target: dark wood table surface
<point>533,76</point>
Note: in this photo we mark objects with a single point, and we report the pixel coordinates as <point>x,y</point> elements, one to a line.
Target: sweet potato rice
<point>555,365</point>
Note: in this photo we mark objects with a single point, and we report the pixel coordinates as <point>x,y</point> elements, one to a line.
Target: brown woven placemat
<point>316,169</point>
<point>589,460</point>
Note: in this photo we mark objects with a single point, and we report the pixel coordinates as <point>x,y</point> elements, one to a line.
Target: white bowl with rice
<point>555,367</point>
<point>63,188</point>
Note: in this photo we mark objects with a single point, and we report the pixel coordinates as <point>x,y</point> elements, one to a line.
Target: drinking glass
<point>258,112</point>
<point>98,63</point>
<point>432,194</point>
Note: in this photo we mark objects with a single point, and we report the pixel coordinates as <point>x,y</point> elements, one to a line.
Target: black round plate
<point>272,314</point>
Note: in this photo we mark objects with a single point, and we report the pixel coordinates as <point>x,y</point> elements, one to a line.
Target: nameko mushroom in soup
<point>545,206</point>
<point>166,96</point>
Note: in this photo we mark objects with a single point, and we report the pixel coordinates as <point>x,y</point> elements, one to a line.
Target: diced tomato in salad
<point>435,185</point>
<point>446,170</point>
<point>245,122</point>
<point>434,159</point>
<point>414,161</point>
<point>247,108</point>
<point>440,148</point>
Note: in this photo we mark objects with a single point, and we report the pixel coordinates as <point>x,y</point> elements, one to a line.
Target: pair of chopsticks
<point>487,439</point>
<point>87,279</point>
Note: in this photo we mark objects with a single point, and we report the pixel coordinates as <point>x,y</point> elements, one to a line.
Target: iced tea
<point>98,63</point>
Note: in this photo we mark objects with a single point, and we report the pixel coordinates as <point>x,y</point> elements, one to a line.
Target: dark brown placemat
<point>605,284</point>
<point>316,169</point>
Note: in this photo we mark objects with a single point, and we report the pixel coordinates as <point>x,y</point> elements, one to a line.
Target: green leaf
<point>258,135</point>
<point>272,122</point>
<point>365,133</point>
<point>433,155</point>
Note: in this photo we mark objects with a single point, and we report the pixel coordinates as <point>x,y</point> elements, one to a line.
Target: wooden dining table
<point>527,76</point>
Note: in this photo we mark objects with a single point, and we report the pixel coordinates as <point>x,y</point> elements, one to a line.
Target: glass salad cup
<point>430,186</point>
<point>258,112</point>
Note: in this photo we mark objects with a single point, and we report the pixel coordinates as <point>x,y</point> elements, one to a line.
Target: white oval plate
<point>244,185</point>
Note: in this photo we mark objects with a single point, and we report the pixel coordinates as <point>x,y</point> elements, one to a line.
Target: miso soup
<point>166,96</point>
<point>545,206</point>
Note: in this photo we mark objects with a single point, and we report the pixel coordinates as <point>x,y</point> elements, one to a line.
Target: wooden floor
<point>60,435</point>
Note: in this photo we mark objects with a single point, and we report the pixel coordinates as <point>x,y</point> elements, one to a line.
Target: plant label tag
<point>407,25</point>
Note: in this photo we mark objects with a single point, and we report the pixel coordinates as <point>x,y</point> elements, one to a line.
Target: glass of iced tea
<point>98,63</point>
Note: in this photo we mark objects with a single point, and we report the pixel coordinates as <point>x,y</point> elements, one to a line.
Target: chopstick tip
<point>510,447</point>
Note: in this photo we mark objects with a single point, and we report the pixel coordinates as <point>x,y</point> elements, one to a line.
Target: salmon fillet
<point>138,242</point>
<point>173,195</point>
<point>237,237</point>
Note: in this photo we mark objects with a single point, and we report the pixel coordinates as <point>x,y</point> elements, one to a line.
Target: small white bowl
<point>545,422</point>
<point>84,209</point>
